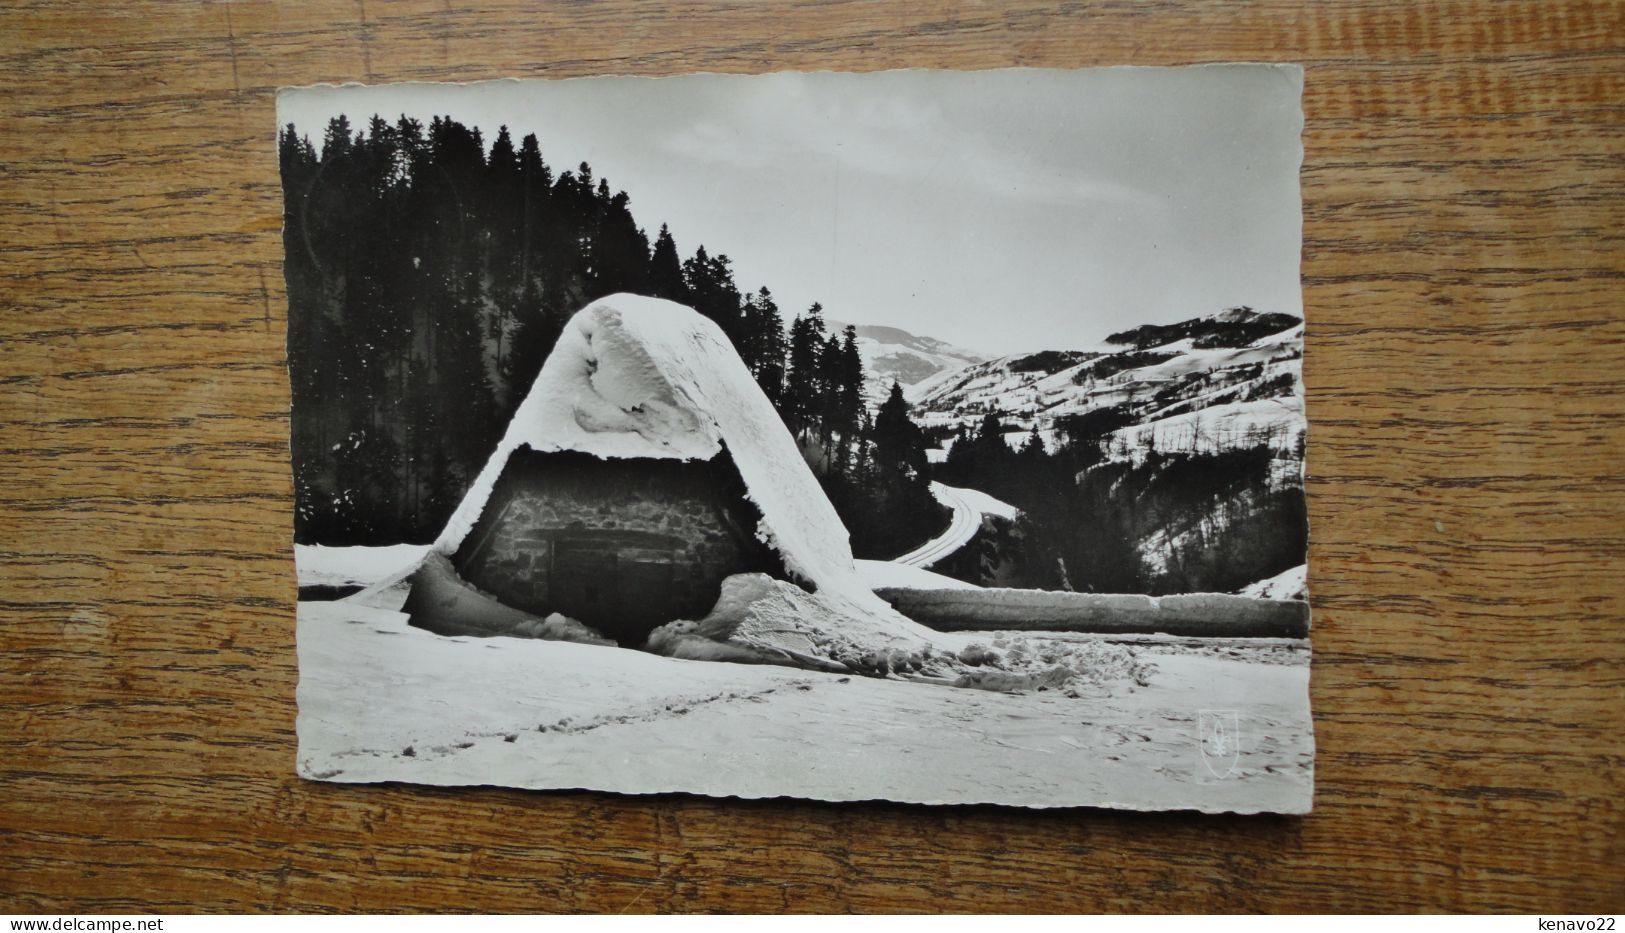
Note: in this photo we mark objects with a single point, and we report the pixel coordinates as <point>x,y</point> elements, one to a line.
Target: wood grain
<point>1464,274</point>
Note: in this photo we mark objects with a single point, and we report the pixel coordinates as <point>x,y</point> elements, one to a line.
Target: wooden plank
<point>1464,269</point>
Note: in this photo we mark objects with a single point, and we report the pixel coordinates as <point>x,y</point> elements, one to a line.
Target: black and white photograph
<point>925,436</point>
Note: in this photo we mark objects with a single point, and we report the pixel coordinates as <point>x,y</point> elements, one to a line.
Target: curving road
<point>964,525</point>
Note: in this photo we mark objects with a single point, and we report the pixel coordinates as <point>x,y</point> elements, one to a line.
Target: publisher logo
<point>1220,741</point>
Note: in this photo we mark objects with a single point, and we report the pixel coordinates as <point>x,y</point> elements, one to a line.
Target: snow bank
<point>1196,614</point>
<point>762,620</point>
<point>778,620</point>
<point>444,603</point>
<point>1288,584</point>
<point>880,574</point>
<point>353,566</point>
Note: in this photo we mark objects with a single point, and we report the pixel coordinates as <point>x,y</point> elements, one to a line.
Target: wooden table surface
<point>1464,279</point>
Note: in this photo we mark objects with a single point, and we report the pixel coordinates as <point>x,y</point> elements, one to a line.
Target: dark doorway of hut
<point>621,545</point>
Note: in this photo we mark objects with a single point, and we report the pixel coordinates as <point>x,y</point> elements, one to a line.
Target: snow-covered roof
<point>641,377</point>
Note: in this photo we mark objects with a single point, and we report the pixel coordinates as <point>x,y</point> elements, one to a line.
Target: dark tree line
<point>429,275</point>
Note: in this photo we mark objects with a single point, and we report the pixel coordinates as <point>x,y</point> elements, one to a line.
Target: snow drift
<point>353,566</point>
<point>1288,584</point>
<point>1207,615</point>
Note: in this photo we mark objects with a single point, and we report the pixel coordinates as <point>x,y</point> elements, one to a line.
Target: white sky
<point>1000,210</point>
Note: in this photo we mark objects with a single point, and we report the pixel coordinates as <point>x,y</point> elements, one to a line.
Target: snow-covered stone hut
<point>643,469</point>
<point>623,545</point>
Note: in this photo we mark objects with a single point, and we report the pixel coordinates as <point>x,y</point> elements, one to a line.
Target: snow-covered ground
<point>1288,584</point>
<point>382,701</point>
<point>886,574</point>
<point>354,566</point>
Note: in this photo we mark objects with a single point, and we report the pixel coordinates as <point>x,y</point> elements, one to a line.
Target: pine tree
<point>336,141</point>
<point>773,347</point>
<point>850,407</point>
<point>504,263</point>
<point>829,393</point>
<point>666,270</point>
<point>801,379</point>
<point>1033,450</point>
<point>846,395</point>
<point>697,278</point>
<point>900,510</point>
<point>990,449</point>
<point>721,301</point>
<point>503,162</point>
<point>531,336</point>
<point>540,177</point>
<point>899,445</point>
<point>621,263</point>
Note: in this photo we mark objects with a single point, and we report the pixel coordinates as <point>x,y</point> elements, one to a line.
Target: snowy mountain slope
<point>1275,421</point>
<point>1217,384</point>
<point>1226,385</point>
<point>891,353</point>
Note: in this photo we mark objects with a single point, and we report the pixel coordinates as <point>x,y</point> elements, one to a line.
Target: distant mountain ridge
<point>893,354</point>
<point>1208,377</point>
<point>1230,328</point>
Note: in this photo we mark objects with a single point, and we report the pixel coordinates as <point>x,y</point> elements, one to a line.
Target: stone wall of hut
<point>622,545</point>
